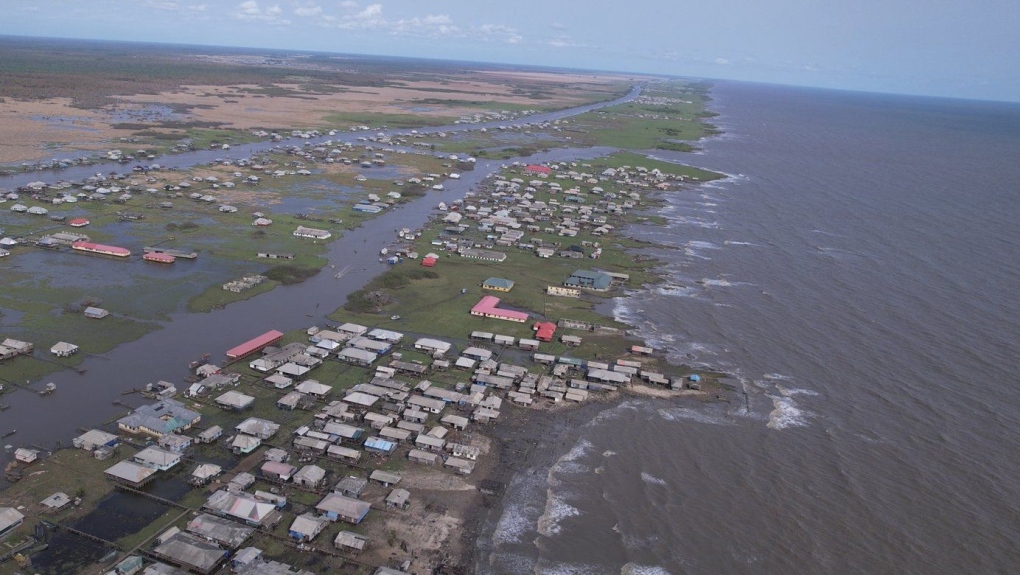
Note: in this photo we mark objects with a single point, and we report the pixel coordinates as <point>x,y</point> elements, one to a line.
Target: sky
<point>950,48</point>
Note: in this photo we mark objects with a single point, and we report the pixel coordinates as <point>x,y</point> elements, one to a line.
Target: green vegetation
<point>663,117</point>
<point>290,274</point>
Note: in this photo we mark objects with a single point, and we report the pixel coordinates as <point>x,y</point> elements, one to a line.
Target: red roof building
<point>79,222</point>
<point>487,307</point>
<point>536,169</point>
<point>100,249</point>
<point>544,330</point>
<point>429,262</point>
<point>254,345</point>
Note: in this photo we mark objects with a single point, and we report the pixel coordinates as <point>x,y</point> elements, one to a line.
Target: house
<point>422,457</point>
<point>455,421</point>
<point>587,279</point>
<point>350,542</point>
<point>528,344</point>
<point>544,330</point>
<point>55,502</point>
<point>235,401</point>
<point>240,482</point>
<point>278,471</point>
<point>429,442</point>
<point>462,466</point>
<point>279,381</point>
<point>165,416</point>
<point>498,284</point>
<point>503,339</point>
<point>304,232</point>
<point>306,527</point>
<point>357,356</point>
<point>394,434</point>
<point>310,476</point>
<point>243,507</point>
<point>156,458</point>
<point>223,531</point>
<point>64,349</point>
<point>191,552</point>
<point>204,473</point>
<point>432,347</point>
<point>571,340</point>
<point>175,443</point>
<point>343,453</point>
<point>346,433</point>
<point>426,404</point>
<point>313,388</point>
<point>210,435</point>
<point>352,330</point>
<point>94,439</point>
<point>26,455</point>
<point>336,507</point>
<point>386,335</point>
<point>608,376</point>
<point>398,499</point>
<point>385,478</point>
<point>485,255</point>
<point>379,445</point>
<point>129,473</point>
<point>350,486</point>
<point>261,428</point>
<point>244,444</point>
<point>290,401</point>
<point>477,353</point>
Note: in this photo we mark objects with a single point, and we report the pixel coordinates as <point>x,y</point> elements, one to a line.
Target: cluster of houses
<point>244,283</point>
<point>510,212</point>
<point>11,347</point>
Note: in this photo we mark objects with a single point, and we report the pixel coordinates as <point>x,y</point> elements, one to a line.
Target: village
<point>366,443</point>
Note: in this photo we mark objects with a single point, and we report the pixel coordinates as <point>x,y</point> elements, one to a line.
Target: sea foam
<point>651,479</point>
<point>556,510</point>
<point>635,569</point>
<point>786,413</point>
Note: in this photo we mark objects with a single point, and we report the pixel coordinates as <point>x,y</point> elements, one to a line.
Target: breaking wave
<point>556,510</point>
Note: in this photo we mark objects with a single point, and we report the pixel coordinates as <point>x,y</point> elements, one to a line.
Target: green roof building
<point>498,284</point>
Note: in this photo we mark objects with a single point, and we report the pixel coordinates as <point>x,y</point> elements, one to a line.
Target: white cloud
<point>499,32</point>
<point>348,4</point>
<point>371,12</point>
<point>164,5</point>
<point>722,61</point>
<point>558,26</point>
<point>252,12</point>
<point>308,10</point>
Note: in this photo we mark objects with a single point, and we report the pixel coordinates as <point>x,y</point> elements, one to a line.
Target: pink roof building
<point>487,307</point>
<point>251,346</point>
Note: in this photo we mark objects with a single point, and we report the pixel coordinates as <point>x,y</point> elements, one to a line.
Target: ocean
<point>856,274</point>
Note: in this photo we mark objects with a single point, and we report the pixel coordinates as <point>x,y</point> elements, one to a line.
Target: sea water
<point>857,275</point>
